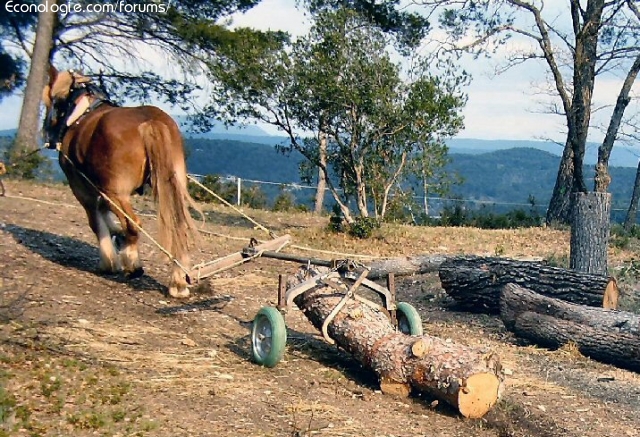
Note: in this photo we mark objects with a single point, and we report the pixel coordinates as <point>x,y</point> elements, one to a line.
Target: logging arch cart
<point>344,276</point>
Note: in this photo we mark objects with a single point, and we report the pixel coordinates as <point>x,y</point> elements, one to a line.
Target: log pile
<point>475,283</point>
<point>469,379</point>
<point>603,334</point>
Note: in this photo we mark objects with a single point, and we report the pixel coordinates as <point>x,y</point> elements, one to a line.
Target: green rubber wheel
<point>409,321</point>
<point>268,337</point>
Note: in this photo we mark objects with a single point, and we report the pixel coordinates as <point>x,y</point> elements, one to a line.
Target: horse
<point>108,153</point>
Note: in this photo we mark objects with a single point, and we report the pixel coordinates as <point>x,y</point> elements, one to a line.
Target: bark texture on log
<point>467,378</point>
<point>590,232</point>
<point>516,300</point>
<point>410,265</point>
<point>476,282</point>
<point>619,349</point>
<point>605,335</point>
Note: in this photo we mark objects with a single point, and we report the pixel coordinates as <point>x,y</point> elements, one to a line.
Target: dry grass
<point>98,356</point>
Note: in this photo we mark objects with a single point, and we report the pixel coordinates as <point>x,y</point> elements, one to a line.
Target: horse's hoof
<point>109,269</point>
<point>178,293</point>
<point>137,273</point>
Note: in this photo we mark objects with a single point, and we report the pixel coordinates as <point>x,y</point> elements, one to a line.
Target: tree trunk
<point>29,126</point>
<point>322,183</point>
<point>632,212</point>
<point>476,282</point>
<point>602,178</point>
<point>467,378</point>
<point>590,232</point>
<point>361,189</point>
<point>516,300</point>
<point>560,205</point>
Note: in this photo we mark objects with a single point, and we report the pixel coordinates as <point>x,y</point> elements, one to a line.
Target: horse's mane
<point>61,86</point>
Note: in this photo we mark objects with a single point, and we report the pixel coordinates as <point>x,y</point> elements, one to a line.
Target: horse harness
<point>78,91</point>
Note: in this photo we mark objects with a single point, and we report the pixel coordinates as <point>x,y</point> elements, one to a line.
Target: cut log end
<point>421,348</point>
<point>393,388</point>
<point>611,294</point>
<point>479,395</point>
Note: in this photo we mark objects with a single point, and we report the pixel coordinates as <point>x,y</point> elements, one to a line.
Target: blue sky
<point>507,106</point>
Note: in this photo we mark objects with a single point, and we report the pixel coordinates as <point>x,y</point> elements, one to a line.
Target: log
<point>605,335</point>
<point>469,379</point>
<point>476,282</point>
<point>516,300</point>
<point>619,349</point>
<point>404,266</point>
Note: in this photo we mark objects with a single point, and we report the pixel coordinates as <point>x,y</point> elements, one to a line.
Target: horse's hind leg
<point>129,255</point>
<point>178,284</point>
<point>109,262</point>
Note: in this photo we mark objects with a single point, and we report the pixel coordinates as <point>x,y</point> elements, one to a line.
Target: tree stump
<point>591,217</point>
<point>469,379</point>
<point>605,335</point>
<point>476,282</point>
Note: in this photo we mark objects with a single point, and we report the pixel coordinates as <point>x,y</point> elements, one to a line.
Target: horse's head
<point>57,97</point>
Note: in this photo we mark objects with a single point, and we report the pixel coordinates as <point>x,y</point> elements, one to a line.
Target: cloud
<point>274,15</point>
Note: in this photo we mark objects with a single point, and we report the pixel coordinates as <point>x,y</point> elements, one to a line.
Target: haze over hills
<point>621,155</point>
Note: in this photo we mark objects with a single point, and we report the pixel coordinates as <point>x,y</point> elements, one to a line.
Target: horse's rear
<point>109,154</point>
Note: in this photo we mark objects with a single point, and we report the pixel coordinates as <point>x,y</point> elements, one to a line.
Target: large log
<point>516,300</point>
<point>467,378</point>
<point>476,282</point>
<point>619,349</point>
<point>605,335</point>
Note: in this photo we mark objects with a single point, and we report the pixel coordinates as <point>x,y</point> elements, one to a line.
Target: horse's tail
<point>165,152</point>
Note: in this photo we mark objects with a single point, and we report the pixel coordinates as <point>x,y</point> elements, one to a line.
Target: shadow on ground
<point>74,254</point>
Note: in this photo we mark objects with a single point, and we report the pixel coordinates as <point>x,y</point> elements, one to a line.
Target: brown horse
<point>108,153</point>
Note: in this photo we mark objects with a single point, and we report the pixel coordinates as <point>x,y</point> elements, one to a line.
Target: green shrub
<point>254,197</point>
<point>225,190</point>
<point>284,202</point>
<point>363,227</point>
<point>25,164</point>
<point>484,218</point>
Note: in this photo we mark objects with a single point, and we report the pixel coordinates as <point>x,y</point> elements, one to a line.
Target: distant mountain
<point>621,155</point>
<point>244,159</point>
<point>219,129</point>
<point>500,179</point>
<point>507,176</point>
<point>498,171</point>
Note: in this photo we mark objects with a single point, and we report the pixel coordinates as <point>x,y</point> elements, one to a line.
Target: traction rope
<point>128,217</point>
<point>261,227</point>
<point>203,231</point>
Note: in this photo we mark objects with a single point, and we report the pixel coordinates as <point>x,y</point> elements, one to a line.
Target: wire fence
<point>293,186</point>
<point>435,202</point>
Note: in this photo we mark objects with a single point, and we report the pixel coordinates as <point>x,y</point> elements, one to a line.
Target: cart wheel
<point>409,321</point>
<point>268,337</point>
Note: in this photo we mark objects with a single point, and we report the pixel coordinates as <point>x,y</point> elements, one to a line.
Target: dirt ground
<point>86,354</point>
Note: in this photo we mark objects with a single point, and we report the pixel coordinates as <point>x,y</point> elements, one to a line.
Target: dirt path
<point>86,354</point>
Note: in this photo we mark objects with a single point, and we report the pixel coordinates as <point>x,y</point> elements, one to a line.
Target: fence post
<point>239,194</point>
